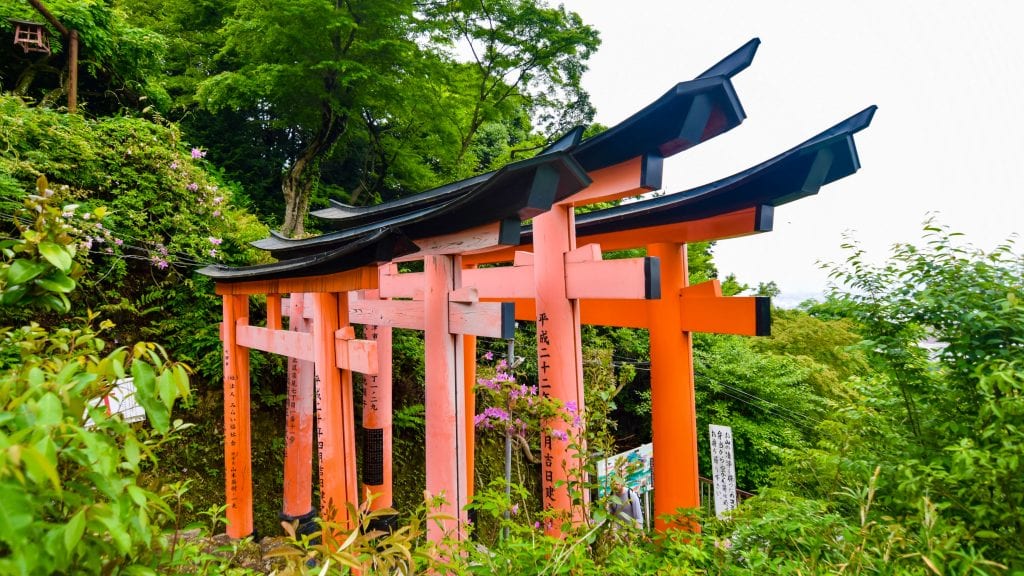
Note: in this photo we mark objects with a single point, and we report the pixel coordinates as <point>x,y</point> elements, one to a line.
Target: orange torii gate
<point>738,205</point>
<point>563,282</point>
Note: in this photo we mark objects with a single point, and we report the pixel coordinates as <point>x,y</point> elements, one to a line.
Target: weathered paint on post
<point>335,422</point>
<point>377,423</point>
<point>469,370</point>
<point>298,441</point>
<point>673,408</point>
<point>445,400</point>
<point>237,442</point>
<point>559,367</point>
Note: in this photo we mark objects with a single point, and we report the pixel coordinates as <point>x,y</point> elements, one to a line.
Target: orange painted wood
<point>445,401</point>
<point>406,314</point>
<point>274,311</point>
<point>709,289</point>
<point>359,279</point>
<point>357,355</point>
<point>673,405</point>
<point>479,319</point>
<point>612,183</point>
<point>377,402</point>
<point>505,282</point>
<point>395,285</point>
<point>298,440</point>
<point>619,313</point>
<point>284,342</point>
<point>585,253</point>
<point>732,315</point>
<point>731,225</point>
<point>469,369</point>
<point>559,366</point>
<point>335,425</point>
<point>464,295</point>
<point>237,438</point>
<point>611,279</point>
<point>480,238</point>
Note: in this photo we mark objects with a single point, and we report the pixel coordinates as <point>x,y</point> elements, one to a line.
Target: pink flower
<point>216,213</point>
<point>213,252</point>
<point>218,199</point>
<point>215,241</point>
<point>197,153</point>
<point>560,435</point>
<point>536,525</point>
<point>162,264</point>
<point>192,187</point>
<point>515,509</point>
<point>118,241</point>
<point>489,355</point>
<point>174,165</point>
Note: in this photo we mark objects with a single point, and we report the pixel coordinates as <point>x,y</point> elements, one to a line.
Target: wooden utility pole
<point>72,38</point>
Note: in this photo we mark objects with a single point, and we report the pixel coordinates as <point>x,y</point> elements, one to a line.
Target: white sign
<point>121,400</point>
<point>723,469</point>
<point>634,466</point>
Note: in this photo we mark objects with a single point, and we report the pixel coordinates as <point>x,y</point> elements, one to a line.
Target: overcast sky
<point>948,138</point>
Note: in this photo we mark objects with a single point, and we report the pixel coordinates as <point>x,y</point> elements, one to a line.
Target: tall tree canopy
<point>374,91</point>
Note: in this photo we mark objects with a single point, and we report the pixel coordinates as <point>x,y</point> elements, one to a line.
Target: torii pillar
<point>674,421</point>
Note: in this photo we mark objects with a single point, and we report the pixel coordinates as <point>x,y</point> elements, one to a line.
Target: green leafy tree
<point>117,60</point>
<point>70,472</point>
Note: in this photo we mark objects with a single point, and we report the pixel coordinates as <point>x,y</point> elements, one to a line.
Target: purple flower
<point>174,165</point>
<point>536,525</point>
<point>87,244</point>
<point>572,407</point>
<point>197,153</point>
<point>192,187</point>
<point>162,264</point>
<point>515,509</point>
<point>489,355</point>
<point>216,213</point>
<point>118,241</point>
<point>213,252</point>
<point>215,241</point>
<point>560,435</point>
<point>218,199</point>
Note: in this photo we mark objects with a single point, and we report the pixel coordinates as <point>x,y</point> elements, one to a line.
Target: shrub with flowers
<point>511,407</point>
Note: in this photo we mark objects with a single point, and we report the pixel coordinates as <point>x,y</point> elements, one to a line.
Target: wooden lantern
<point>31,36</point>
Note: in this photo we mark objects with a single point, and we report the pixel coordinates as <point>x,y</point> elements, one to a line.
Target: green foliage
<point>116,59</point>
<point>70,472</point>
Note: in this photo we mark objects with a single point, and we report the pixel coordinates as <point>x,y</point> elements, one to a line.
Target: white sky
<point>948,138</point>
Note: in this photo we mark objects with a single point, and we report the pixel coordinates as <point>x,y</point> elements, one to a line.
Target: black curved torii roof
<point>797,172</point>
<point>689,113</point>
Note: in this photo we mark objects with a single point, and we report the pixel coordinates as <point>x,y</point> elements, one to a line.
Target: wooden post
<point>73,72</point>
<point>673,408</point>
<point>335,426</point>
<point>469,362</point>
<point>298,445</point>
<point>559,367</point>
<point>377,430</point>
<point>445,400</point>
<point>237,446</point>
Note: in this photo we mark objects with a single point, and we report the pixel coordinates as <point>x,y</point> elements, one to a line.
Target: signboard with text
<point>723,469</point>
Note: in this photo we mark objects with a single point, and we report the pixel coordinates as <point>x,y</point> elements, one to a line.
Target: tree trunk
<point>297,185</point>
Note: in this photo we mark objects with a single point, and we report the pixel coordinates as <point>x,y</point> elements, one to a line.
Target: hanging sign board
<point>635,466</point>
<point>723,469</point>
